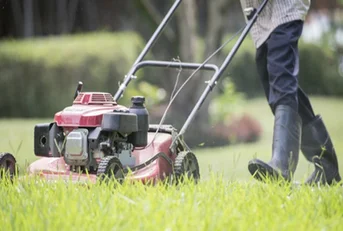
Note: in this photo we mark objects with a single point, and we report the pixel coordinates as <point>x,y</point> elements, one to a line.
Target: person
<point>296,127</point>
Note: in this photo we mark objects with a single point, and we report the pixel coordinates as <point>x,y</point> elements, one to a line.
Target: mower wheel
<point>8,166</point>
<point>186,165</point>
<point>110,168</point>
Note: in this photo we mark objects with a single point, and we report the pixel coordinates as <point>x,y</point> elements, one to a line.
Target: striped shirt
<point>275,13</point>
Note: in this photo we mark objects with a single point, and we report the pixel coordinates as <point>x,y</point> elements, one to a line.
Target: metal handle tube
<point>147,47</point>
<point>239,42</point>
<point>221,70</point>
<point>155,63</point>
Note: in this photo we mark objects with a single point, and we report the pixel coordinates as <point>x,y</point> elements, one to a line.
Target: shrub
<point>38,77</point>
<point>236,129</point>
<point>244,128</point>
<point>242,71</point>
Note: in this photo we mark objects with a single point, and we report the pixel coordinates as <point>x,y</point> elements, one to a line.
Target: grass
<point>217,204</point>
<point>226,199</point>
<point>232,161</point>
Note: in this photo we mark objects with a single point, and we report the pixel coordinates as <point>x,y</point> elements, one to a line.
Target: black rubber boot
<point>317,147</point>
<point>285,149</point>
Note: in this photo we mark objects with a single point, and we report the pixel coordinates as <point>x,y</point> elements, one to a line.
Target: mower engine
<point>94,128</point>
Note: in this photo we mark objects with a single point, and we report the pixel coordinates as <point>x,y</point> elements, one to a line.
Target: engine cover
<point>76,148</point>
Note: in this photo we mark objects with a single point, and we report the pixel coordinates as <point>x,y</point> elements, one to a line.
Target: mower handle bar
<point>147,47</point>
<point>218,72</point>
<point>211,84</point>
<point>192,66</point>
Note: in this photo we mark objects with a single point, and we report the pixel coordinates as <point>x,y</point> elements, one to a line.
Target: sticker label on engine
<point>76,109</point>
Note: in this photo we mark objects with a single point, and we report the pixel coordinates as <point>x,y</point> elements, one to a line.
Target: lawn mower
<point>97,139</point>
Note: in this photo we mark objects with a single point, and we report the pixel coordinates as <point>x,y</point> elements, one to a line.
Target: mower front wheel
<point>186,165</point>
<point>110,168</point>
<point>8,166</point>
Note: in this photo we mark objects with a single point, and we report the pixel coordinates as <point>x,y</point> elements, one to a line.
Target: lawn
<point>231,161</point>
<point>212,205</point>
<point>226,199</point>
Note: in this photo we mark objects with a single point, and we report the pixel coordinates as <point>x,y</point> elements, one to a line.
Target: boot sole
<point>263,172</point>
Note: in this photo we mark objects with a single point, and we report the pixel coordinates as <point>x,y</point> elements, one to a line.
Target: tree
<point>188,32</point>
<point>195,20</point>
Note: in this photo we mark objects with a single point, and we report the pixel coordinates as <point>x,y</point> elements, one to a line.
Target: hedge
<point>38,77</point>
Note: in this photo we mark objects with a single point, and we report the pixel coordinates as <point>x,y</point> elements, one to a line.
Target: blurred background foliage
<point>47,46</point>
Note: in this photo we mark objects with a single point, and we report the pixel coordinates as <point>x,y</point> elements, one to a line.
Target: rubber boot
<point>317,147</point>
<point>285,148</point>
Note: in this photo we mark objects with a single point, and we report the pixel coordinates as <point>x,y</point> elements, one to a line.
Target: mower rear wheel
<point>186,165</point>
<point>110,168</point>
<point>8,166</point>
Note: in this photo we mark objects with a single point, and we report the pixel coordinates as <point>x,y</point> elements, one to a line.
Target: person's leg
<point>304,106</point>
<point>316,145</point>
<point>262,70</point>
<point>283,65</point>
<point>283,69</point>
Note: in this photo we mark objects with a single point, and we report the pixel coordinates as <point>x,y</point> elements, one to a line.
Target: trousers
<point>277,61</point>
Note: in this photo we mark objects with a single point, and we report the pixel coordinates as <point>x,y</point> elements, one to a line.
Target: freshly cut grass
<point>214,204</point>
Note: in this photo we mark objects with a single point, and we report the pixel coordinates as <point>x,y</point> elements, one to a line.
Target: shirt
<point>275,13</point>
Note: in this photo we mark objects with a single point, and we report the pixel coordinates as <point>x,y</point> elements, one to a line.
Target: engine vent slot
<point>98,98</point>
<point>94,98</point>
<point>78,99</point>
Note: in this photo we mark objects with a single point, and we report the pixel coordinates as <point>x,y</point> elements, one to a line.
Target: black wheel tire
<point>186,165</point>
<point>109,169</point>
<point>8,166</point>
